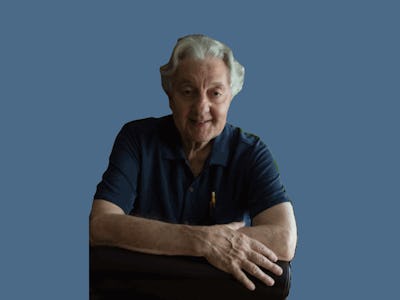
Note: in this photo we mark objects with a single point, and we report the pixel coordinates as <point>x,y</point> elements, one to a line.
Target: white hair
<point>199,46</point>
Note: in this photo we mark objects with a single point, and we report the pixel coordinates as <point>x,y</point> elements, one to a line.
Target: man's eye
<point>216,94</point>
<point>187,92</point>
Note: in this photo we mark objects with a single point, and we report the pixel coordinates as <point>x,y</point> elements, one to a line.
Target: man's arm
<point>275,228</point>
<point>110,226</point>
<point>224,246</point>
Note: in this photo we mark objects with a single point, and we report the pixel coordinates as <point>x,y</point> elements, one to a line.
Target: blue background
<point>321,88</point>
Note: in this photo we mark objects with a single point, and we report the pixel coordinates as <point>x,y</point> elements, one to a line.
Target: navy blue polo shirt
<point>149,176</point>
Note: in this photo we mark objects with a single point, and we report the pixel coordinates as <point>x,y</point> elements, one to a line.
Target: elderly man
<point>189,183</point>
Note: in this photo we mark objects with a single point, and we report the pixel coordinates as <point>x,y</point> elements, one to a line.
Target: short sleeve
<point>265,186</point>
<point>119,181</point>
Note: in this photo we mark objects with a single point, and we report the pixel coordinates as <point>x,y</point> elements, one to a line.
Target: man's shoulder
<point>146,124</point>
<point>242,137</point>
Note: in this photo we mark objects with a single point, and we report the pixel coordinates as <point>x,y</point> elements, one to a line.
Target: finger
<point>262,261</point>
<point>242,278</point>
<point>254,270</point>
<point>264,250</point>
<point>235,225</point>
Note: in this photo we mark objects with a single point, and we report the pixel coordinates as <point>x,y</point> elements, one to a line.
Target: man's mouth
<point>200,122</point>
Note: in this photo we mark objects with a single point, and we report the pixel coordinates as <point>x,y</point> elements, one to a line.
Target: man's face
<point>200,99</point>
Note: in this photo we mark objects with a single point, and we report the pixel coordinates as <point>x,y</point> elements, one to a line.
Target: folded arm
<point>110,226</point>
<point>224,246</point>
<point>275,228</point>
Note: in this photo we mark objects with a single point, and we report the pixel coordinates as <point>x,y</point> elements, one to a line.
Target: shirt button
<point>191,189</point>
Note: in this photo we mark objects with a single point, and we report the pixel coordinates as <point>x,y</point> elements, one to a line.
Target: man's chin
<point>202,138</point>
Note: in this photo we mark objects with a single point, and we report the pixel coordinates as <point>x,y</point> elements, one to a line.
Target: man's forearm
<point>279,239</point>
<point>222,245</point>
<point>145,235</point>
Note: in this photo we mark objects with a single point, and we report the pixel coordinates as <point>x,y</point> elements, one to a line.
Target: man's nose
<point>202,104</point>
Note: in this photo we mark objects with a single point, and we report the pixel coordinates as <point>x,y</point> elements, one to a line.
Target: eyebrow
<point>217,84</point>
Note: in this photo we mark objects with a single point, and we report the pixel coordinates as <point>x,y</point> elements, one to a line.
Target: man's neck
<point>196,155</point>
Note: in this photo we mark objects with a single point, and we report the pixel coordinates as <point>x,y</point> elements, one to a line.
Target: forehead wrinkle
<point>205,80</point>
<point>203,75</point>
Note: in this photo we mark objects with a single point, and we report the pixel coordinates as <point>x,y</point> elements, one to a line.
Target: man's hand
<point>232,247</point>
<point>234,252</point>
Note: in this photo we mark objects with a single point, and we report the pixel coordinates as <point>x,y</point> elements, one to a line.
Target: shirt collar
<point>172,144</point>
<point>221,147</point>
